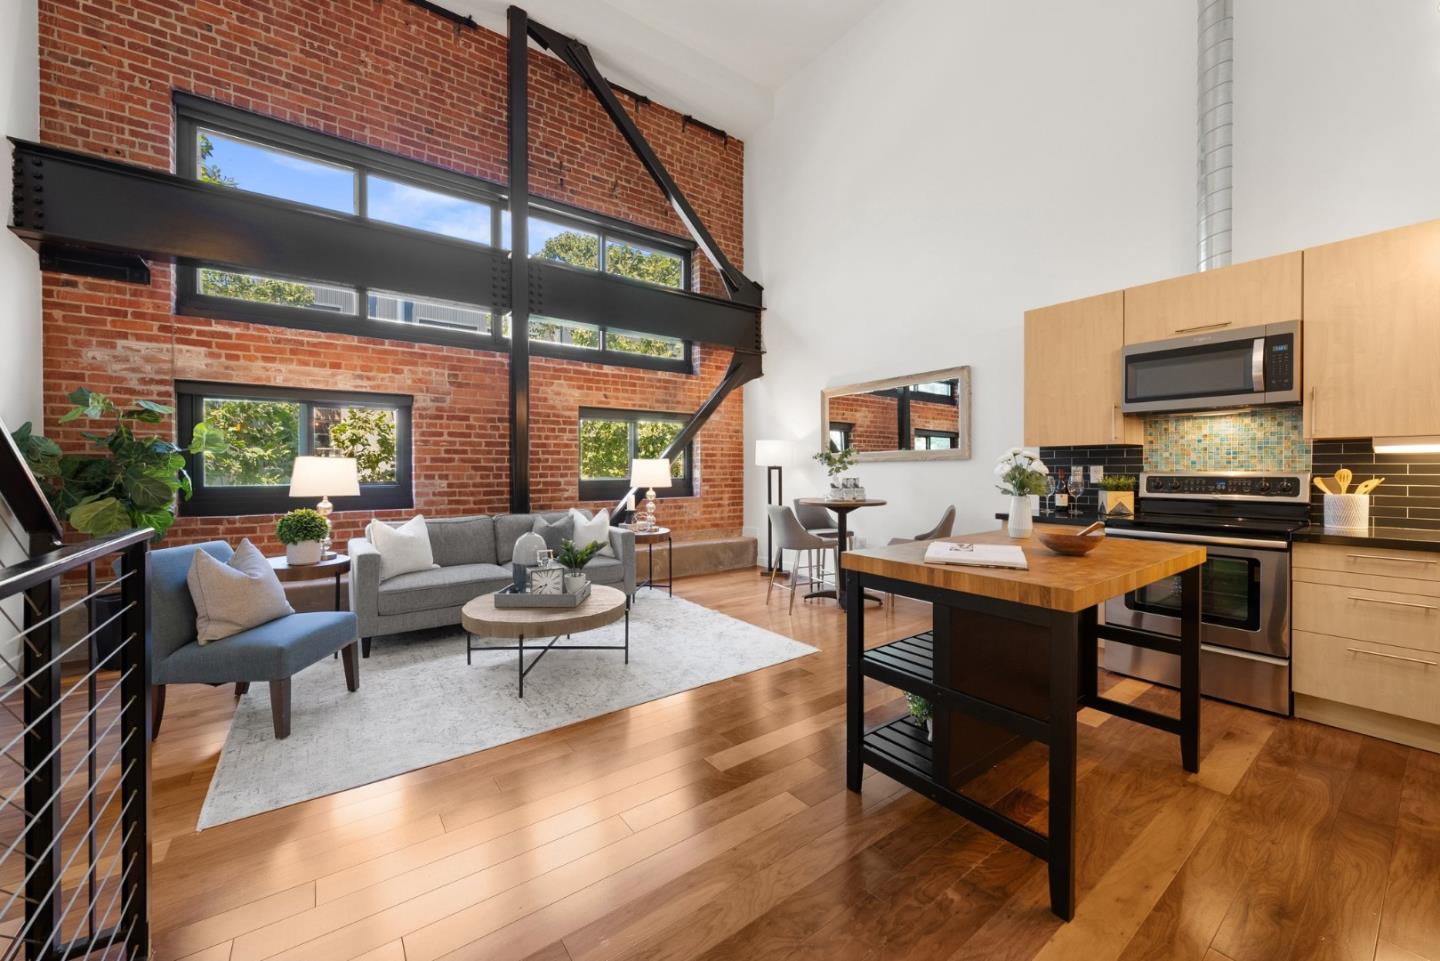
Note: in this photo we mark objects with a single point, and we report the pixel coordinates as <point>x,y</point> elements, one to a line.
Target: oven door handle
<point>1255,542</point>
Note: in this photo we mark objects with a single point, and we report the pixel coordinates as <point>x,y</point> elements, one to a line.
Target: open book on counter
<point>977,555</point>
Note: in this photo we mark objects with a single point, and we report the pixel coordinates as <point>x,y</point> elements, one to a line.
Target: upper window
<point>936,439</point>
<point>611,439</point>
<point>228,147</point>
<point>236,162</point>
<point>268,427</point>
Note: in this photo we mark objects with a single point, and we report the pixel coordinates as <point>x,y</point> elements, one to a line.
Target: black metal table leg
<point>840,544</point>
<point>1190,669</point>
<point>1067,635</point>
<point>627,635</point>
<point>854,682</point>
<point>520,646</point>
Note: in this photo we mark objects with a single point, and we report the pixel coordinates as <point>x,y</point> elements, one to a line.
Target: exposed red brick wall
<point>925,415</point>
<point>390,75</point>
<point>873,420</point>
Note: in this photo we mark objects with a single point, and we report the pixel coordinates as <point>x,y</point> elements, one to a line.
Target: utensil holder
<point>1347,511</point>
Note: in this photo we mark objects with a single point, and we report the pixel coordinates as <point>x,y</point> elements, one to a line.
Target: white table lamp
<point>321,477</point>
<point>650,473</point>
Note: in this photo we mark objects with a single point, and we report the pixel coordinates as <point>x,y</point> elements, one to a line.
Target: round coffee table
<point>481,618</point>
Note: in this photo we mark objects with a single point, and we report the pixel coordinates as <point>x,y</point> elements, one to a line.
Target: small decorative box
<point>509,597</point>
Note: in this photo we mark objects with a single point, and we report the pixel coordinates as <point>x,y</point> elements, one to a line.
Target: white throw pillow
<point>592,529</point>
<point>402,549</point>
<point>234,597</point>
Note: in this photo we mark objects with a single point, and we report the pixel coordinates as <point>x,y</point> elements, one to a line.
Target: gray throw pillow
<point>554,533</point>
<point>235,596</point>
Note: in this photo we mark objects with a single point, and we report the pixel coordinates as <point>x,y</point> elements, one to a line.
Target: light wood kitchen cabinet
<point>1072,374</point>
<point>1257,292</point>
<point>1365,652</point>
<point>1372,335</point>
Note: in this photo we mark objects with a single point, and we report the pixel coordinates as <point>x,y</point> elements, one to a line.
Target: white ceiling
<point>720,61</point>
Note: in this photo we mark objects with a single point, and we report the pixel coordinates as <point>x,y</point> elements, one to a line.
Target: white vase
<point>1021,522</point>
<point>305,552</point>
<point>930,729</point>
<point>575,582</point>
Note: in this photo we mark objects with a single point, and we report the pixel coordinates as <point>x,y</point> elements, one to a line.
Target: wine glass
<point>1075,486</point>
<point>1051,486</point>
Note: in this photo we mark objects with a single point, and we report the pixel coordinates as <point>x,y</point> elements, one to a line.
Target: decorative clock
<point>547,580</point>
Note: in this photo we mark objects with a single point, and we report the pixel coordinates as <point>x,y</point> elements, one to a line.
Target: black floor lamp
<point>771,455</point>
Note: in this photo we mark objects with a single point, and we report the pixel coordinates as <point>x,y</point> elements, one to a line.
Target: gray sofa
<point>473,554</point>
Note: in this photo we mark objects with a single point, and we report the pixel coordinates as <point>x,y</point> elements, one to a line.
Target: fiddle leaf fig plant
<point>130,480</point>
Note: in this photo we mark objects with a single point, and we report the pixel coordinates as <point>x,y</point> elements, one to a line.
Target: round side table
<point>336,566</point>
<point>650,538</point>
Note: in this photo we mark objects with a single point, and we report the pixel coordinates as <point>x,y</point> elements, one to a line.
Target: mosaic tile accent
<point>1267,439</point>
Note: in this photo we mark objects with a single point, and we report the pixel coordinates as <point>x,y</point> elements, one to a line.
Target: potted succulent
<point>574,559</point>
<point>1115,490</point>
<point>303,533</point>
<point>1021,475</point>
<point>921,714</point>
<point>837,462</point>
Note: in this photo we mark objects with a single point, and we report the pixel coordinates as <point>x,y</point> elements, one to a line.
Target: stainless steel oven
<point>1215,369</point>
<point>1244,520</point>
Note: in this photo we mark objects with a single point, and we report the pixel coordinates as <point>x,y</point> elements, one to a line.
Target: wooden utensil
<point>1369,485</point>
<point>1320,485</point>
<point>1098,525</point>
<point>1342,479</point>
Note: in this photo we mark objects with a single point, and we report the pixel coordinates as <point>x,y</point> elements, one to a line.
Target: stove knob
<point>1175,484</point>
<point>1287,485</point>
<point>1264,486</point>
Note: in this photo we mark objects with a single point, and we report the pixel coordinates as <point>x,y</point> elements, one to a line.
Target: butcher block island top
<point>1054,581</point>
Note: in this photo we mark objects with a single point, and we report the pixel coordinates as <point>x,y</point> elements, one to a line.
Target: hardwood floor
<point>715,824</point>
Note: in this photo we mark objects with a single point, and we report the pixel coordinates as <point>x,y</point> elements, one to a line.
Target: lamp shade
<point>324,477</point>
<point>772,453</point>
<point>650,472</point>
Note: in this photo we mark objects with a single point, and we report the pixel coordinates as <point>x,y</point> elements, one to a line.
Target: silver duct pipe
<point>1215,140</point>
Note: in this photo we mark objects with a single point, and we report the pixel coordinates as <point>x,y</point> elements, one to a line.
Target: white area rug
<point>419,704</point>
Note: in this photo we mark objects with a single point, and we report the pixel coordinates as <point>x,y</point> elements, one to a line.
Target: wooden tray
<point>509,597</point>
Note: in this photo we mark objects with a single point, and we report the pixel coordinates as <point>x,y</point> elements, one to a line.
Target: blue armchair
<point>272,652</point>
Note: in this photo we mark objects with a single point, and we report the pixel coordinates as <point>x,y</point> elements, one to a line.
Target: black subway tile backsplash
<point>1410,496</point>
<point>1115,458</point>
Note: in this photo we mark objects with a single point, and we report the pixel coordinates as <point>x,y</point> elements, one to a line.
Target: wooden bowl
<point>1073,545</point>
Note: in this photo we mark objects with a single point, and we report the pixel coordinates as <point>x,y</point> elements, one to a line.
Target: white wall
<point>939,170</point>
<point>1337,120</point>
<point>19,273</point>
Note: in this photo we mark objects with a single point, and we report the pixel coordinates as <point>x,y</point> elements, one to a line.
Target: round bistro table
<point>842,510</point>
<point>481,618</point>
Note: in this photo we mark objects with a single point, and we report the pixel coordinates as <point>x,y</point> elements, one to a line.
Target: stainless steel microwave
<point>1222,368</point>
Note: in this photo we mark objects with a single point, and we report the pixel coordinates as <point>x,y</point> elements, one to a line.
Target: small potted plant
<point>1020,474</point>
<point>837,462</point>
<point>303,533</point>
<point>921,714</point>
<point>574,559</point>
<point>1115,490</point>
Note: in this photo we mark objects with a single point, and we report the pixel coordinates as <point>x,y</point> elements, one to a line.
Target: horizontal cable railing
<point>75,753</point>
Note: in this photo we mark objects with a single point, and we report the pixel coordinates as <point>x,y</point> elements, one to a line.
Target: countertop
<point>1076,520</point>
<point>1054,581</point>
<point>1391,538</point>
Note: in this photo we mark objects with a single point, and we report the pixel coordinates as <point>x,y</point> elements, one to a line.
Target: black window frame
<point>193,113</point>
<point>952,435</point>
<point>190,397</point>
<point>592,489</point>
<point>844,429</point>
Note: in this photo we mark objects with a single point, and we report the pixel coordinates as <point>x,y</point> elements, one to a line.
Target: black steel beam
<point>577,55</point>
<point>585,296</point>
<point>744,367</point>
<point>520,266</point>
<point>75,200</point>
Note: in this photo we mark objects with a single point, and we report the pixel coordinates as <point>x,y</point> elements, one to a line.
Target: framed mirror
<point>919,417</point>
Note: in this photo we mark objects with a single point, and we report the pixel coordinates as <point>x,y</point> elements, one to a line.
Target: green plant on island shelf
<point>837,462</point>
<point>920,711</point>
<point>575,558</point>
<point>1020,473</point>
<point>130,481</point>
<point>302,525</point>
<point>1118,482</point>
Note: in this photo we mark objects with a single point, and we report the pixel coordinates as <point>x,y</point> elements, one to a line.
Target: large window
<point>611,439</point>
<point>268,427</point>
<point>228,147</point>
